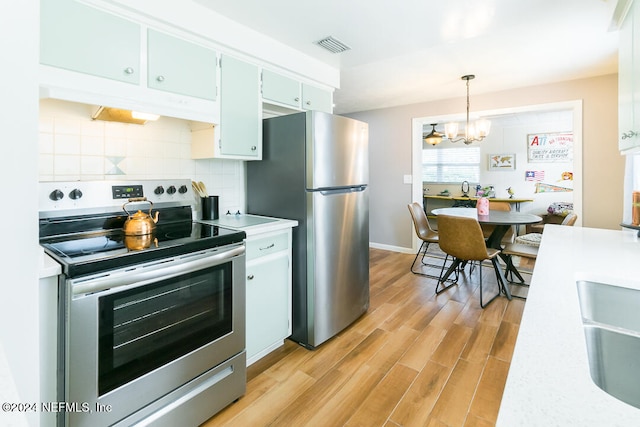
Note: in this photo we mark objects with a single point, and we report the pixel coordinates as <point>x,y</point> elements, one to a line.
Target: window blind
<point>445,165</point>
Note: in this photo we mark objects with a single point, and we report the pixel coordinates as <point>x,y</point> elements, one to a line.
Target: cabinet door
<point>240,121</point>
<point>625,82</point>
<point>280,89</point>
<point>80,38</point>
<point>181,67</point>
<point>316,99</point>
<point>628,85</point>
<point>268,303</point>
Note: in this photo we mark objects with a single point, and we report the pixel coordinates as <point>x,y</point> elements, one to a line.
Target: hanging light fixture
<point>474,131</point>
<point>433,138</point>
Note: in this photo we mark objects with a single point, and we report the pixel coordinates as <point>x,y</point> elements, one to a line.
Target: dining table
<point>501,220</point>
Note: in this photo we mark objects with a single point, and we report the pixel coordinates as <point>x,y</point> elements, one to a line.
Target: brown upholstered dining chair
<point>425,233</point>
<point>462,238</point>
<point>487,229</point>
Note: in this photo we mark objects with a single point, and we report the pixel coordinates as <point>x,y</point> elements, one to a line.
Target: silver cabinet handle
<point>128,70</point>
<point>250,277</point>
<point>267,247</point>
<point>160,79</point>
<point>254,148</point>
<point>308,102</point>
<point>296,99</point>
<point>629,134</point>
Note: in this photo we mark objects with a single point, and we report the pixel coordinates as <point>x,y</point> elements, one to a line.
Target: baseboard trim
<point>391,248</point>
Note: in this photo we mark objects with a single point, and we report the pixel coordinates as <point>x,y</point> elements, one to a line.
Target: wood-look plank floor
<point>414,359</point>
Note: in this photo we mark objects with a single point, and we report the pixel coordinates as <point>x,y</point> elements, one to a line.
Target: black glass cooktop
<point>95,251</point>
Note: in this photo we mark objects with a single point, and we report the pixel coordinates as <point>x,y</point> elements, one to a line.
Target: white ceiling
<point>411,51</point>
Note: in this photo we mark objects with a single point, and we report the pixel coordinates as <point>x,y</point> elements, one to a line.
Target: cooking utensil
<point>203,188</point>
<point>197,189</point>
<point>139,223</point>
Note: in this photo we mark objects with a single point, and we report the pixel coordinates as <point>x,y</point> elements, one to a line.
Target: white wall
<point>19,29</point>
<point>72,147</point>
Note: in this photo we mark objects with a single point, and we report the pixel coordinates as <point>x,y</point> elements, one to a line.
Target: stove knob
<point>75,194</point>
<point>183,189</point>
<point>159,190</point>
<point>171,190</point>
<point>56,195</point>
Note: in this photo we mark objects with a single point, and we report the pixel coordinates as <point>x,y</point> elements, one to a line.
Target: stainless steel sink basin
<point>611,321</point>
<point>610,305</point>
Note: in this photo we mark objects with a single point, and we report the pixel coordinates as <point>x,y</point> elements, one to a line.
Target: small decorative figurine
<point>511,192</point>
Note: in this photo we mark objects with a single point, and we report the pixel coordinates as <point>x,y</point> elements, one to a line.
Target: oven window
<point>144,328</point>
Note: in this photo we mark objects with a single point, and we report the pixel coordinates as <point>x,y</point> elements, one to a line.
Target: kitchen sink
<point>610,305</point>
<point>611,321</point>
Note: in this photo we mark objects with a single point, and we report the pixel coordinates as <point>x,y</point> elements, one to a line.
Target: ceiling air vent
<point>333,45</point>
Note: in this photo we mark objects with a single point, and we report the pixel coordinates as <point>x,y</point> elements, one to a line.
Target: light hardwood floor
<point>414,359</point>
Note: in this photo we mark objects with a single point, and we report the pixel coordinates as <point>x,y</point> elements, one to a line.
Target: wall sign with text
<point>550,147</point>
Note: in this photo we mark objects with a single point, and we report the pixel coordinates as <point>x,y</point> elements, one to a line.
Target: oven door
<point>137,334</point>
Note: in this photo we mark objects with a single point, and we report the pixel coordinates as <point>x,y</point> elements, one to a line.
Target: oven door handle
<point>129,277</point>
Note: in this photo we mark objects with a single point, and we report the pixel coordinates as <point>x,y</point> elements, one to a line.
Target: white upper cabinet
<point>314,98</point>
<point>239,135</point>
<point>80,38</point>
<point>283,91</point>
<point>240,112</point>
<point>280,89</point>
<point>629,82</point>
<point>87,54</point>
<point>117,58</point>
<point>178,66</point>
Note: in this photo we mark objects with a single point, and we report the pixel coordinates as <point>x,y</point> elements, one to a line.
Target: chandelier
<point>473,131</point>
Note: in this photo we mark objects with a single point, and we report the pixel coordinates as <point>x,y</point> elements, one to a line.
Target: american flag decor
<point>534,176</point>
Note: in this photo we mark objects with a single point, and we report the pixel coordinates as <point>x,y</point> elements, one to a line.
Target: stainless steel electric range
<point>152,326</point>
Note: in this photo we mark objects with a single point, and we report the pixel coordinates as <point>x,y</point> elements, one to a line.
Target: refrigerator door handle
<point>343,190</point>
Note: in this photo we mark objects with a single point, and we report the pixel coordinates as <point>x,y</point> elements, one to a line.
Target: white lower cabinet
<point>268,318</point>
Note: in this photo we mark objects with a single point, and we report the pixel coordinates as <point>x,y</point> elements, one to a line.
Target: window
<point>444,165</point>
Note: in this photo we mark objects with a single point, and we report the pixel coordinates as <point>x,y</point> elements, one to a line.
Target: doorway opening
<point>511,129</point>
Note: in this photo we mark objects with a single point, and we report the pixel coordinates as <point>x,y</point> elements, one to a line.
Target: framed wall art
<point>550,147</point>
<point>502,162</point>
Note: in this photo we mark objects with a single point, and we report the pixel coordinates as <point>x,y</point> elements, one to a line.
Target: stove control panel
<point>64,196</point>
<point>126,191</point>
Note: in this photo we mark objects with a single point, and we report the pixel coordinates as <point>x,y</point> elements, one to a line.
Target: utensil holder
<point>210,209</point>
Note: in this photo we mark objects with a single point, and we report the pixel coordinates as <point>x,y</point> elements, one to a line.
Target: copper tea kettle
<point>139,223</point>
<point>140,242</point>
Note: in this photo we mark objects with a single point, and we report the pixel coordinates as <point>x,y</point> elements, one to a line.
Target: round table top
<point>494,217</point>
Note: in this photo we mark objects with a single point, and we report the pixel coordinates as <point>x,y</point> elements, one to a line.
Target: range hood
<point>120,115</point>
<point>113,96</point>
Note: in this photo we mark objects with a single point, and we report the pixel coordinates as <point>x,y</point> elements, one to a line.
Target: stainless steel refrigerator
<point>315,169</point>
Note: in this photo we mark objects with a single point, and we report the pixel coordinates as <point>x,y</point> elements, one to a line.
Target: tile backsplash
<point>72,147</point>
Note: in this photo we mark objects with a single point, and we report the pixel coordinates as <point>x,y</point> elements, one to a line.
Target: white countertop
<point>549,382</point>
<point>252,224</point>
